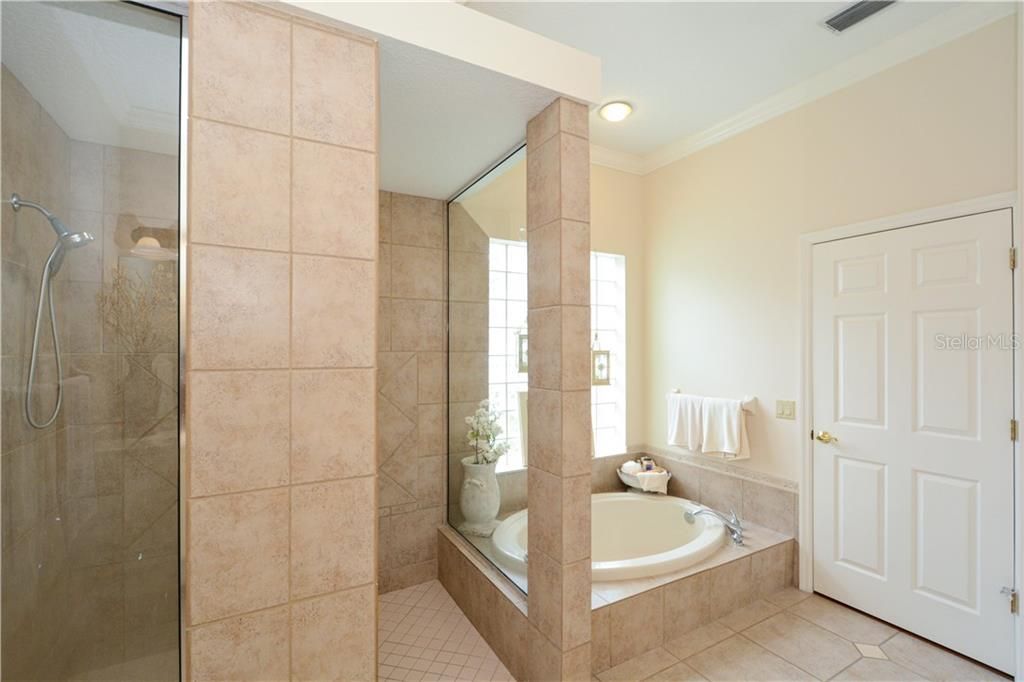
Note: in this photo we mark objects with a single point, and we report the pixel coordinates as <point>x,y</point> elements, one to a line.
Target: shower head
<point>70,240</point>
<point>75,240</point>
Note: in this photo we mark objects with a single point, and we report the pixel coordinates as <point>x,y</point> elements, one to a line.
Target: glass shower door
<point>89,334</point>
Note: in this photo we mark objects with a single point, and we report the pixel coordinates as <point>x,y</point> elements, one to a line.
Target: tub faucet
<point>732,523</point>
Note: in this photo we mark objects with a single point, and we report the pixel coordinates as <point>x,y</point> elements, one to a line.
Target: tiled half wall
<point>281,529</point>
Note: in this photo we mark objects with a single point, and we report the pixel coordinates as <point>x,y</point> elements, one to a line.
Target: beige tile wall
<point>282,320</point>
<point>558,232</point>
<point>412,391</point>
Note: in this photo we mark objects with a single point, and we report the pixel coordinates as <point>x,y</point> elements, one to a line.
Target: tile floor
<point>423,635</point>
<point>792,635</point>
<point>786,637</point>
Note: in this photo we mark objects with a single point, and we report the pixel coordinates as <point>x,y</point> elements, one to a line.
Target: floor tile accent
<point>792,635</point>
<point>870,651</point>
<point>423,635</point>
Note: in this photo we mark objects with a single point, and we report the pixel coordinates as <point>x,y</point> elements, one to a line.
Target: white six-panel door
<point>913,504</point>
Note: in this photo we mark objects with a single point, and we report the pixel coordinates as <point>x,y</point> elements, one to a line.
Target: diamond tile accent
<point>870,651</point>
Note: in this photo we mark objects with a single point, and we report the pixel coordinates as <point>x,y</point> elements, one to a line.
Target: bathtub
<point>633,535</point>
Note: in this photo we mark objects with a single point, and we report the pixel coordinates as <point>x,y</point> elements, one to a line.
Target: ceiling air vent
<point>856,13</point>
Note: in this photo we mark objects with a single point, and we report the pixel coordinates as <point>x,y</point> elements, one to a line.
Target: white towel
<point>684,421</point>
<point>725,429</point>
<point>653,481</point>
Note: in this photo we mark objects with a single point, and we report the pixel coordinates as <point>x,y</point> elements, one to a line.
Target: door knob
<point>826,437</point>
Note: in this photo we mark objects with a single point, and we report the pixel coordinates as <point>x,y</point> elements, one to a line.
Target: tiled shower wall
<point>412,390</point>
<point>281,538</point>
<point>90,502</point>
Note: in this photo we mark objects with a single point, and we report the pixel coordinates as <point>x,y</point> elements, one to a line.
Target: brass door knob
<point>826,437</point>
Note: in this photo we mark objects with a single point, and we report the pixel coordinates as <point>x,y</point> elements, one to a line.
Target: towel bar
<point>749,402</point>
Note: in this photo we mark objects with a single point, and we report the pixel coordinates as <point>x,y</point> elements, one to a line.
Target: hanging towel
<point>684,421</point>
<point>725,429</point>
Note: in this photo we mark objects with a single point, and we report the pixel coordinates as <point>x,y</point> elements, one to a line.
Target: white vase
<point>479,499</point>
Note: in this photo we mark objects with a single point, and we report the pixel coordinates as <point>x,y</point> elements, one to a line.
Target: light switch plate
<point>785,409</point>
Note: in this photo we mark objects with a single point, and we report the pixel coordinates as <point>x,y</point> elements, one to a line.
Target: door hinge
<point>1012,594</point>
<point>1013,257</point>
<point>1013,429</point>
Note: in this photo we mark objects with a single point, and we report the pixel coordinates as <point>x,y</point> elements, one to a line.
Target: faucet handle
<point>735,519</point>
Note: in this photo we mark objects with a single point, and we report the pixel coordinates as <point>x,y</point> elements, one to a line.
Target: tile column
<point>558,233</point>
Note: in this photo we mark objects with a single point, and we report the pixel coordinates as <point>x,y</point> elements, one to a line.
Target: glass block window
<point>608,332</point>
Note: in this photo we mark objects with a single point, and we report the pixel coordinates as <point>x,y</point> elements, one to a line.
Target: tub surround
<point>628,618</point>
<point>281,566</point>
<point>412,388</point>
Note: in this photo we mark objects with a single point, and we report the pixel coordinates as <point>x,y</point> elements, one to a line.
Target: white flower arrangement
<point>483,435</point>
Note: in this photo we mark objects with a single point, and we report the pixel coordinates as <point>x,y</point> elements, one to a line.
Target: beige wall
<point>412,390</point>
<point>281,528</point>
<point>722,316</point>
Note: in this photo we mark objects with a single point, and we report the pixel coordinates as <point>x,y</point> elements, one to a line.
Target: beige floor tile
<point>874,670</point>
<point>934,662</point>
<point>804,644</point>
<point>744,617</point>
<point>698,640</point>
<point>843,620</point>
<point>870,651</point>
<point>737,658</point>
<point>639,668</point>
<point>680,672</point>
<point>787,597</point>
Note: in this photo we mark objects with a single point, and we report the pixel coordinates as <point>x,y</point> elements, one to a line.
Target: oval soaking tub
<point>633,535</point>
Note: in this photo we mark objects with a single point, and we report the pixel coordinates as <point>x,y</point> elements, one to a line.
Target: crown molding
<point>946,27</point>
<point>621,161</point>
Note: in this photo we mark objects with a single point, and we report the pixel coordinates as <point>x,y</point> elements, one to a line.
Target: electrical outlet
<point>785,409</point>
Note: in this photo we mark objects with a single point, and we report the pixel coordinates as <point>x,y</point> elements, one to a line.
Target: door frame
<point>805,418</point>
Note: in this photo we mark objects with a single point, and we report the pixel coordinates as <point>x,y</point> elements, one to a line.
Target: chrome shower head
<point>76,240</point>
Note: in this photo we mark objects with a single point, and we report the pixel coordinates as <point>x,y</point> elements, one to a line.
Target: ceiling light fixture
<point>615,111</point>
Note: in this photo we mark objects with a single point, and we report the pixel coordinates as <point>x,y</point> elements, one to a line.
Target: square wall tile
<point>238,559</point>
<point>384,216</point>
<point>239,435</point>
<point>417,272</point>
<point>333,417</point>
<point>565,502</point>
<point>545,348</point>
<point>333,532</point>
<point>468,277</point>
<point>635,625</point>
<point>238,303</point>
<point>721,491</point>
<point>543,184</point>
<point>241,66</point>
<point>335,638</point>
<point>334,310</point>
<point>468,326</point>
<point>238,192</point>
<point>334,201</point>
<point>334,89</point>
<point>250,647</point>
<point>417,221</point>
<point>770,507</point>
<point>417,325</point>
<point>575,348</point>
<point>432,377</point>
<point>544,125</point>
<point>544,254</point>
<point>575,178</point>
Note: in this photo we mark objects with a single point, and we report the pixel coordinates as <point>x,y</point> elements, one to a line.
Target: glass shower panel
<point>89,332</point>
<point>488,361</point>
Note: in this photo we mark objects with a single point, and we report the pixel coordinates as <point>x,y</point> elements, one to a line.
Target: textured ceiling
<point>106,72</point>
<point>689,65</point>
